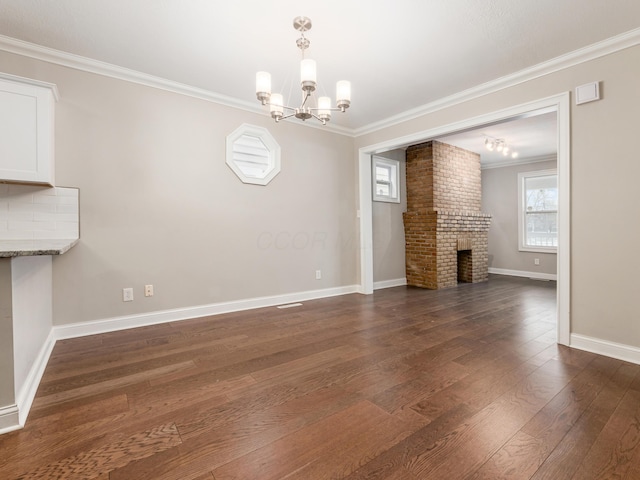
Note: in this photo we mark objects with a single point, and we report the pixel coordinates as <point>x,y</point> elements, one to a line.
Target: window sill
<point>386,199</point>
<point>539,249</point>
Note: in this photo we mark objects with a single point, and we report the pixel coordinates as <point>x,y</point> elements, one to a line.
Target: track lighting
<point>499,145</point>
<point>489,144</point>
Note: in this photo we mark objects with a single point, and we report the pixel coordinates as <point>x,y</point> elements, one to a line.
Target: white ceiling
<point>398,54</point>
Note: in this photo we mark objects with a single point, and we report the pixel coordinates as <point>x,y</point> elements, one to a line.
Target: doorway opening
<point>558,104</point>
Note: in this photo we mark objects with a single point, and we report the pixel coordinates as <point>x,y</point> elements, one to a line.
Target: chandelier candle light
<point>322,110</point>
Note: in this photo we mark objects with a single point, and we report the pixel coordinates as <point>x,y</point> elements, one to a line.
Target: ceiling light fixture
<point>322,110</point>
<point>500,145</point>
<point>489,144</point>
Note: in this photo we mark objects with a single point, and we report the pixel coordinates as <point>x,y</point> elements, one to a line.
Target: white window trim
<point>521,220</point>
<point>394,187</point>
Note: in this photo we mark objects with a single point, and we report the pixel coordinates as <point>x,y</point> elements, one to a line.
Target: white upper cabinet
<point>26,130</point>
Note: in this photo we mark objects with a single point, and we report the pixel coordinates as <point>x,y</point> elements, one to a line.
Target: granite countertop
<point>18,248</point>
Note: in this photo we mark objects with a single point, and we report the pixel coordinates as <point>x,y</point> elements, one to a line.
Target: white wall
<point>7,391</point>
<point>500,199</point>
<point>25,328</point>
<point>32,316</point>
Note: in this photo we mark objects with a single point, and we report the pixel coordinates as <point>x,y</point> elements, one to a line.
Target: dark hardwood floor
<point>462,383</point>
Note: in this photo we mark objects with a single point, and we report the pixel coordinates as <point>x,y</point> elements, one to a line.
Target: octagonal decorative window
<point>253,154</point>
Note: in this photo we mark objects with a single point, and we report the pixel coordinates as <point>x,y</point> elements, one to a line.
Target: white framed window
<point>385,176</point>
<point>538,211</point>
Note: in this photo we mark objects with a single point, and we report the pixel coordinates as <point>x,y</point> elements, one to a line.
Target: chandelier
<point>322,109</point>
<point>499,145</point>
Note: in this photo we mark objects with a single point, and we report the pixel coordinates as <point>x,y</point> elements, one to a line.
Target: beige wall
<point>158,204</point>
<point>604,174</point>
<point>388,229</point>
<point>500,199</point>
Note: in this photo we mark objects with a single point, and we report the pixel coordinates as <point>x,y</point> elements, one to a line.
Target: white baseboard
<point>13,417</point>
<point>9,419</point>
<point>522,273</point>
<point>28,391</point>
<point>396,282</point>
<point>140,320</point>
<point>606,348</point>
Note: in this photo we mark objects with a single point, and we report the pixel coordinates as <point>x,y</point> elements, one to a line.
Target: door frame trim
<point>561,105</point>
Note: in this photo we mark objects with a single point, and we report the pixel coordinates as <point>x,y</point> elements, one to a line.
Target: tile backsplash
<point>34,212</point>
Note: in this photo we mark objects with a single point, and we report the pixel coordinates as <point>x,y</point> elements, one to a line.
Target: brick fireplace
<point>446,234</point>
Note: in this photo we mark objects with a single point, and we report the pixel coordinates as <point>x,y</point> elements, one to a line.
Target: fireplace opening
<point>465,266</point>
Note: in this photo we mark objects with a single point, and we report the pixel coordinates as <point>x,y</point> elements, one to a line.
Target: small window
<point>386,180</point>
<point>538,211</point>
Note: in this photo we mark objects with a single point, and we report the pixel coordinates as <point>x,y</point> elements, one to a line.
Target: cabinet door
<point>26,133</point>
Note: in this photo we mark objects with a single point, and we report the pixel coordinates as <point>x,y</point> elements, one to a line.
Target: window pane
<point>541,230</point>
<point>382,190</point>
<point>383,174</point>
<point>541,193</point>
<point>385,180</point>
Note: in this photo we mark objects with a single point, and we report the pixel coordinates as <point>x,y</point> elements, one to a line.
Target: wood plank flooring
<point>462,383</point>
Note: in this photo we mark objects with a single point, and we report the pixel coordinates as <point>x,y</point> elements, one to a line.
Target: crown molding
<point>58,57</point>
<point>585,54</point>
<point>523,161</point>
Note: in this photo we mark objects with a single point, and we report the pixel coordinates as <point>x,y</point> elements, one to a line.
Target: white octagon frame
<point>269,142</point>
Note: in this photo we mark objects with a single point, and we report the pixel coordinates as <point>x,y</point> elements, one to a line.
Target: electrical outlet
<point>318,274</point>
<point>127,294</point>
<point>536,261</point>
<point>148,290</point>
